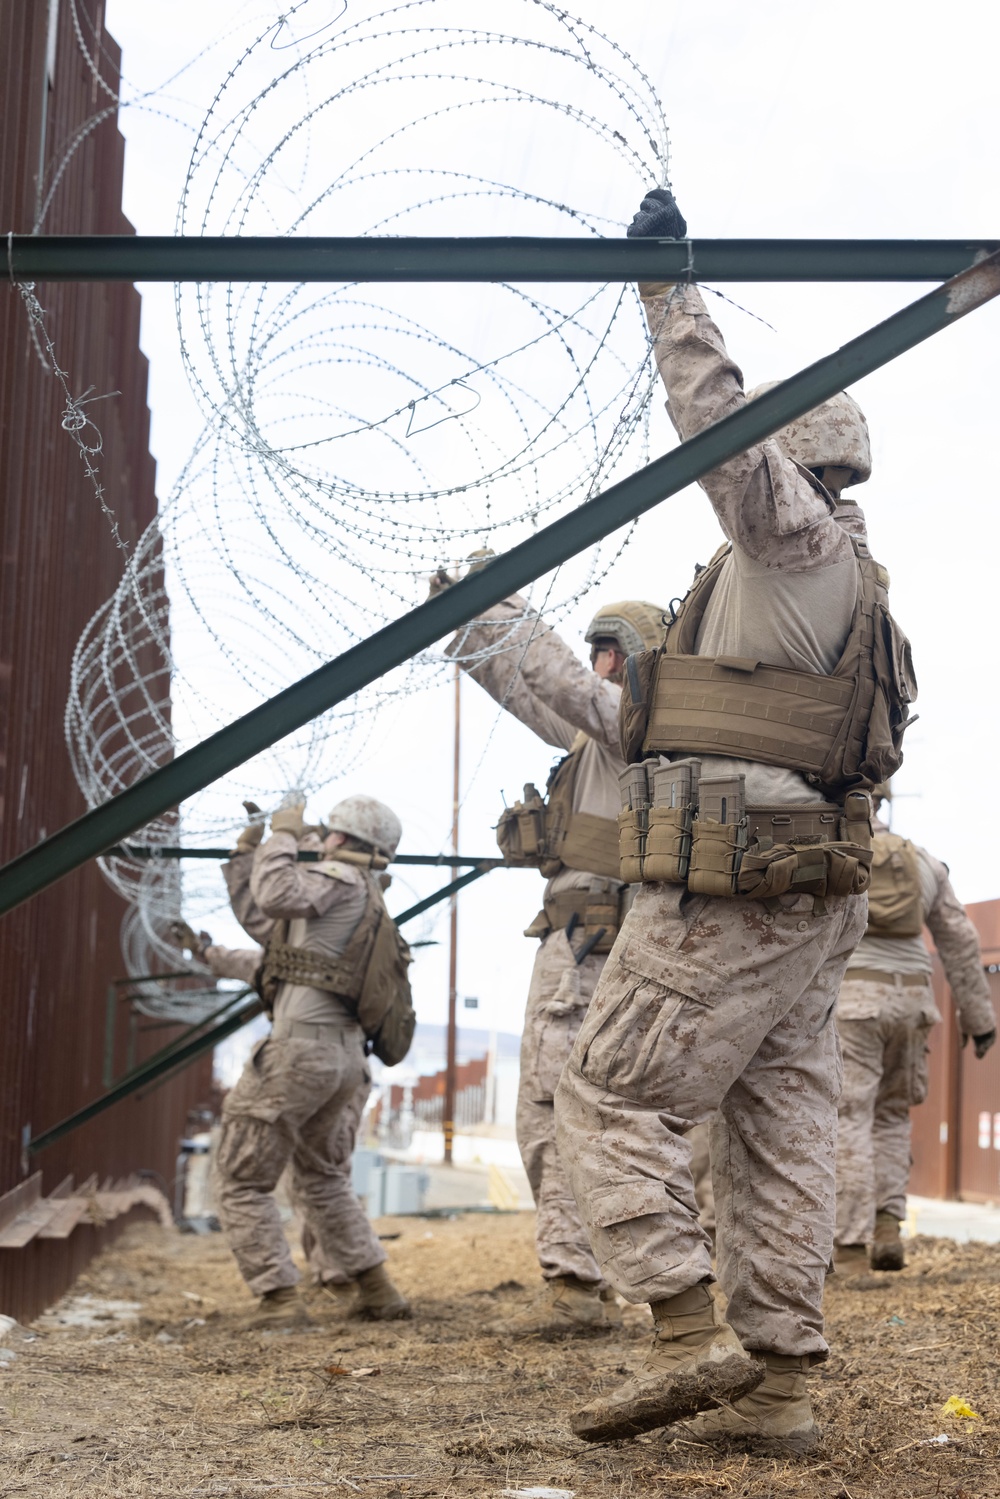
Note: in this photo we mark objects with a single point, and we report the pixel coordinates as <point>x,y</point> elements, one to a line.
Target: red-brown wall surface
<point>58,563</point>
<point>949,1159</point>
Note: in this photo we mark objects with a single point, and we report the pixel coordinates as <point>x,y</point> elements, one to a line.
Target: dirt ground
<point>180,1401</point>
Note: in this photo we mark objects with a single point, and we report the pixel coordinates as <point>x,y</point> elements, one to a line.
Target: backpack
<point>385,1005</point>
<point>895,902</point>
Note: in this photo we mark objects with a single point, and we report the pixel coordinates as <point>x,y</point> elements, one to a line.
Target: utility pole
<point>448,1122</point>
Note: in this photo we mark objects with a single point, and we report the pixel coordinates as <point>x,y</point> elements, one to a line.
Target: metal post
<point>573,533</point>
<point>448,1123</point>
<point>133,257</point>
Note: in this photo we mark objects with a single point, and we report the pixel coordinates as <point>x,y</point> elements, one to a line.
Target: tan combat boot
<point>331,1296</point>
<point>277,1309</point>
<point>377,1298</point>
<point>776,1419</point>
<point>848,1258</point>
<point>337,1293</point>
<point>887,1249</point>
<point>695,1361</point>
<point>565,1308</point>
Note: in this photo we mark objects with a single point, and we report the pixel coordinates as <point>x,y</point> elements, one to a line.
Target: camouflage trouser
<point>557,1003</point>
<point>324,1270</point>
<point>883,1034</point>
<point>714,1005</point>
<point>287,1108</point>
<point>701,1174</point>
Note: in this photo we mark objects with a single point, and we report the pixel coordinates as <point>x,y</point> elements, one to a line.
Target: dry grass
<point>185,1403</point>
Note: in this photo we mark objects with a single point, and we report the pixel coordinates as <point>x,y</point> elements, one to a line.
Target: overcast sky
<point>786,120</point>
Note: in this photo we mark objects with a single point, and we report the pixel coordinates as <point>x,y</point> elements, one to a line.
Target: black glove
<point>658,217</point>
<point>983,1043</point>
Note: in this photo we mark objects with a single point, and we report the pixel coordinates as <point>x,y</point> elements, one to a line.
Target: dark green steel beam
<point>446,890</point>
<point>154,851</point>
<point>129,257</point>
<point>364,663</point>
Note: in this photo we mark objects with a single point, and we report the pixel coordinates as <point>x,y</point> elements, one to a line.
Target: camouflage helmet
<point>882,792</point>
<point>835,433</point>
<point>635,624</point>
<point>370,821</point>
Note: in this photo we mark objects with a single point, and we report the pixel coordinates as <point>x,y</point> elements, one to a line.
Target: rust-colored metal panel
<point>948,1158</point>
<point>979,1117</point>
<point>934,1123</point>
<point>58,564</point>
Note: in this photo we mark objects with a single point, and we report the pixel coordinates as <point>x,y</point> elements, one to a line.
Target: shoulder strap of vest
<point>358,949</point>
<point>685,620</point>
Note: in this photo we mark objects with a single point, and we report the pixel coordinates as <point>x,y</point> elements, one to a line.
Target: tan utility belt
<point>593,917</point>
<point>687,829</point>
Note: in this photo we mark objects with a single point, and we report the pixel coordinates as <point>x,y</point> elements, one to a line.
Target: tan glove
<point>289,820</point>
<point>187,937</point>
<point>443,579</point>
<point>439,581</point>
<point>253,832</point>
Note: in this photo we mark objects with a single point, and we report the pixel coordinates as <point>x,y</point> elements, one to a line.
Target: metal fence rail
<point>168,258</point>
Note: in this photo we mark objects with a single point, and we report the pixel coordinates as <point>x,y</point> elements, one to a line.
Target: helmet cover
<point>635,624</point>
<point>834,434</point>
<point>370,821</point>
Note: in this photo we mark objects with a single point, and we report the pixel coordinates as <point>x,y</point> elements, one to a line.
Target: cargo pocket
<point>616,1214</point>
<point>552,1022</point>
<point>643,1024</point>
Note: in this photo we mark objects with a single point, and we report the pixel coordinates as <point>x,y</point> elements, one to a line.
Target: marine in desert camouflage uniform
<point>726,1004</point>
<point>293,1103</point>
<point>885,1014</point>
<point>535,675</point>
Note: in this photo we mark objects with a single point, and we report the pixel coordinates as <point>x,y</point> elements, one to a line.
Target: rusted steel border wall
<point>954,1154</point>
<point>59,564</point>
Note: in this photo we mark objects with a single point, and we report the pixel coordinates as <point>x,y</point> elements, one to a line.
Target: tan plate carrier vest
<point>843,732</point>
<point>895,899</point>
<point>545,833</point>
<point>370,976</point>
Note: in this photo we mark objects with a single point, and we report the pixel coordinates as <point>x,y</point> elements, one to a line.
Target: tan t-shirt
<point>787,591</point>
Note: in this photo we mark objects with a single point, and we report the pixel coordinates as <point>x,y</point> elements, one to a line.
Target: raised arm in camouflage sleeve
<point>575,692</point>
<point>283,889</point>
<point>514,626</point>
<point>767,505</point>
<point>236,873</point>
<point>958,946</point>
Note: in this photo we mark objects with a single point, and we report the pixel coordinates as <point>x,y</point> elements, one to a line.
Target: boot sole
<point>393,1314</point>
<point>796,1444</point>
<point>724,1382</point>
